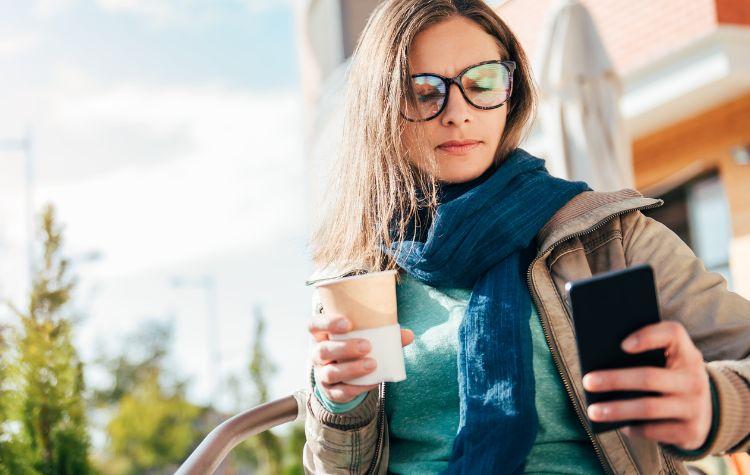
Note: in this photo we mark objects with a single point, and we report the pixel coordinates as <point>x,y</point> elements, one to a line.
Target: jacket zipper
<point>381,429</point>
<point>599,453</point>
<point>668,462</point>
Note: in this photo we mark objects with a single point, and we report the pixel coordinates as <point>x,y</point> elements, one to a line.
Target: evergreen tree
<point>50,374</point>
<point>15,456</point>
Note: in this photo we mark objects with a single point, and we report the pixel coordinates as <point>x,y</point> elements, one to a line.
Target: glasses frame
<point>509,65</point>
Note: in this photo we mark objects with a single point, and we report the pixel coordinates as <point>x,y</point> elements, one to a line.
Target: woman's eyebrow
<point>462,69</point>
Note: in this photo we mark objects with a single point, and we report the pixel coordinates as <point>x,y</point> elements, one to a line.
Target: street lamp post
<point>25,145</point>
<point>208,284</point>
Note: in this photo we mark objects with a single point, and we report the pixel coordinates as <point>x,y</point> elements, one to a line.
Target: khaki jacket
<point>593,233</point>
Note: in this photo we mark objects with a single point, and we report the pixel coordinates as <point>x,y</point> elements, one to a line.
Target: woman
<point>431,182</point>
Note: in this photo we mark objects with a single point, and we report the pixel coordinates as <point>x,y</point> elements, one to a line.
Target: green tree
<point>152,429</point>
<point>15,455</point>
<point>50,374</point>
<point>152,426</point>
<point>143,352</point>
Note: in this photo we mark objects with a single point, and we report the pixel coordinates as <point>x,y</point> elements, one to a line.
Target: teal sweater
<point>423,410</point>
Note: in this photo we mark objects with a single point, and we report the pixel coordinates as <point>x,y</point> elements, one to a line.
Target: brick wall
<point>635,32</point>
<point>733,11</point>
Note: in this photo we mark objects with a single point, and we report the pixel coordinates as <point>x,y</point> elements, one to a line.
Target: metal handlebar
<point>219,442</point>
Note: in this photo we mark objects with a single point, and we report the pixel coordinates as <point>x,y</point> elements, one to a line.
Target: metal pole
<point>212,451</point>
<point>213,333</point>
<point>25,145</point>
<point>213,362</point>
<point>29,200</point>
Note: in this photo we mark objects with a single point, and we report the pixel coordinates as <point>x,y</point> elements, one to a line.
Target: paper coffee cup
<point>369,302</point>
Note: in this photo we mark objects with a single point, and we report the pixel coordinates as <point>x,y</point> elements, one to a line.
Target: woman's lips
<point>459,149</point>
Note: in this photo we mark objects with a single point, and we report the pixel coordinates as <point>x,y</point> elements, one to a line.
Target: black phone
<point>606,309</point>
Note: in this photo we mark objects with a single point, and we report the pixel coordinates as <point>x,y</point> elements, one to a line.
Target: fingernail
<point>597,412</point>
<point>368,364</point>
<point>363,346</point>
<point>591,381</point>
<point>342,324</point>
<point>630,343</point>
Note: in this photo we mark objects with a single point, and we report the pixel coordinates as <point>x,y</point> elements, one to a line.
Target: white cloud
<point>50,8</point>
<point>159,12</point>
<point>162,13</point>
<point>262,5</point>
<point>233,178</point>
<point>152,175</point>
<point>13,44</point>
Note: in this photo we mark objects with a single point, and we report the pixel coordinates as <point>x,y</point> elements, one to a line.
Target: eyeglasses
<point>486,85</point>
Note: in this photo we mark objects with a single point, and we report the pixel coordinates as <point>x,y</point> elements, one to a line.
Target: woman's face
<point>447,48</point>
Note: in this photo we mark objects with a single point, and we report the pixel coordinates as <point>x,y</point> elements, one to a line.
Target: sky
<point>168,135</point>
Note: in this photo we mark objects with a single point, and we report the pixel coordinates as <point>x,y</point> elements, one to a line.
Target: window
<point>698,212</point>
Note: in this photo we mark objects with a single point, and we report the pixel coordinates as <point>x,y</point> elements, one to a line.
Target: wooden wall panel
<point>667,158</point>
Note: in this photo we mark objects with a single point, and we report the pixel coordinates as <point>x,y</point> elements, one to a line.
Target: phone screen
<point>606,309</point>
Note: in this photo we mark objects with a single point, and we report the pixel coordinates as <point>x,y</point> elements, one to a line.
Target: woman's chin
<point>456,171</point>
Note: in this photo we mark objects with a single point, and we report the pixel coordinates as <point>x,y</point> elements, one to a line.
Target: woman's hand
<point>684,384</point>
<point>336,361</point>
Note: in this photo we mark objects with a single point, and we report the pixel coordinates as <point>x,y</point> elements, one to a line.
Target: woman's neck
<point>457,189</point>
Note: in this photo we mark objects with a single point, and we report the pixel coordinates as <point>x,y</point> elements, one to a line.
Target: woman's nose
<point>457,110</point>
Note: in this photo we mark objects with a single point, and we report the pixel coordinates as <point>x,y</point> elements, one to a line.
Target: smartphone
<point>606,309</point>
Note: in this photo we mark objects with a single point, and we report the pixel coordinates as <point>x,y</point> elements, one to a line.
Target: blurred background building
<point>686,104</point>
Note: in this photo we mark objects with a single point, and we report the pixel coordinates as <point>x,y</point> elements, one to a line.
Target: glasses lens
<point>487,85</point>
<point>429,95</point>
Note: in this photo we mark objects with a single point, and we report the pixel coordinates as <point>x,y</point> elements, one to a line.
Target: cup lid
<point>331,280</point>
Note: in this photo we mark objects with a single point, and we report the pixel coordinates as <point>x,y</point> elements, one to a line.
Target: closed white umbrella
<point>579,109</point>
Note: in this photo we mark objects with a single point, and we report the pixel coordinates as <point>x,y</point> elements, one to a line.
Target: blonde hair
<point>372,191</point>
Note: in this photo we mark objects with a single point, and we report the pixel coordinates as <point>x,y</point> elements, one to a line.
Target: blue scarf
<point>483,238</point>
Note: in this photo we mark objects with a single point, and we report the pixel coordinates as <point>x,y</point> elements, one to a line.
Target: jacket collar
<point>587,210</point>
<point>582,213</point>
